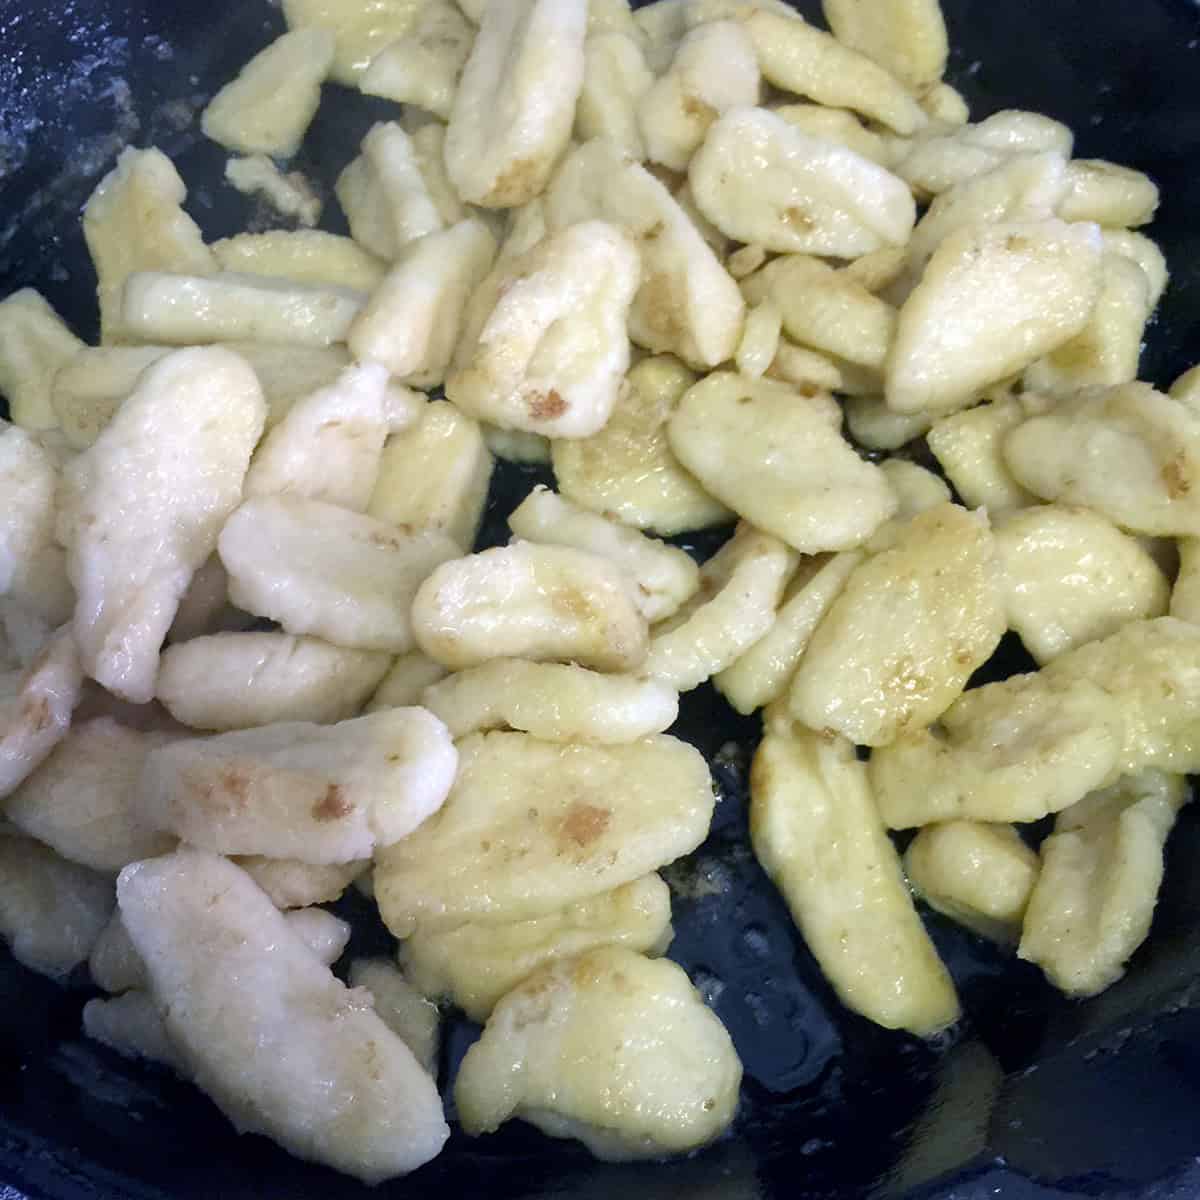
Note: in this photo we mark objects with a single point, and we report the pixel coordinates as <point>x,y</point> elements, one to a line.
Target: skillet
<point>1033,1096</point>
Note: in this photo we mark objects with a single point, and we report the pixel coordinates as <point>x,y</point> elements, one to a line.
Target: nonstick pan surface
<point>1097,1099</point>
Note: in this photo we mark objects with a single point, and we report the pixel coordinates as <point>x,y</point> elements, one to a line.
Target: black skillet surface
<point>1033,1096</point>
